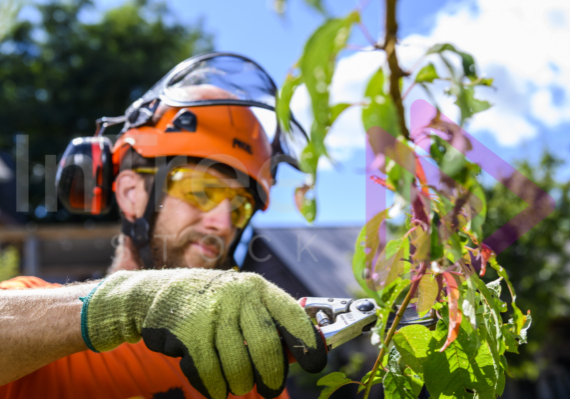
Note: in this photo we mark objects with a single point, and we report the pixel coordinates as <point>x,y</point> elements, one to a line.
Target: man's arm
<point>39,326</point>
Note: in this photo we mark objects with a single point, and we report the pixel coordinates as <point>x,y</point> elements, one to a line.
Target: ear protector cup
<point>85,176</point>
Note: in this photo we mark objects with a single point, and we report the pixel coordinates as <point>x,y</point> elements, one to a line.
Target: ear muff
<point>85,176</point>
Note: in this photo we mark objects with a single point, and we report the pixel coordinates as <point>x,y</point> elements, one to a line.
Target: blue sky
<point>519,42</point>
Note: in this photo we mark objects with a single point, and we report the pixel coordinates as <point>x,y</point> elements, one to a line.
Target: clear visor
<point>222,78</point>
<point>238,78</point>
<point>291,143</point>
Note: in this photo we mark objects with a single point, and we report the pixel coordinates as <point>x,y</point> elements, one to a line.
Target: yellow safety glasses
<point>205,192</point>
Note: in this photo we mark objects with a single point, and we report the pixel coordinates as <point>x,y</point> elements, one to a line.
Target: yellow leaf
<point>422,242</point>
<point>372,235</point>
<point>427,294</point>
<point>388,270</point>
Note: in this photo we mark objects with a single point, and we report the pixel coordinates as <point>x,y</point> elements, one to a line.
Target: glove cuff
<point>84,309</point>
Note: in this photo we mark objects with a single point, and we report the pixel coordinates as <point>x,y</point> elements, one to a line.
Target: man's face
<point>186,236</point>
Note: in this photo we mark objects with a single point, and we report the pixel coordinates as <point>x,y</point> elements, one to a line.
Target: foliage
<point>438,259</point>
<point>9,9</point>
<point>537,261</point>
<point>60,74</point>
<point>9,263</point>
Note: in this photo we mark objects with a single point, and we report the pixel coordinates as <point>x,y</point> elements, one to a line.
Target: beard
<point>169,253</point>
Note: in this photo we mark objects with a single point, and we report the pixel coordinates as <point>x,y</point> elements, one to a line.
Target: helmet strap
<point>140,231</point>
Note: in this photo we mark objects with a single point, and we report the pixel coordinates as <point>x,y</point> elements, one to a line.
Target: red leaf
<point>300,193</point>
<point>382,182</point>
<point>421,175</point>
<point>455,315</point>
<point>486,254</point>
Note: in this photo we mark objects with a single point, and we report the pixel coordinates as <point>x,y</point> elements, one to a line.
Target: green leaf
<point>468,104</point>
<point>518,316</point>
<point>380,110</point>
<point>485,82</point>
<point>524,330</point>
<point>495,287</point>
<point>416,381</point>
<point>378,377</point>
<point>490,303</point>
<point>367,240</point>
<point>396,385</point>
<point>372,234</point>
<point>469,305</point>
<point>427,74</point>
<point>309,160</point>
<point>333,381</point>
<point>412,343</point>
<point>467,60</point>
<point>456,247</point>
<point>459,372</point>
<point>401,180</point>
<point>440,47</point>
<point>317,66</point>
<point>450,160</point>
<point>317,5</point>
<point>390,263</point>
<point>336,110</point>
<point>284,99</point>
<point>477,221</point>
<point>306,205</point>
<point>510,338</point>
<point>489,340</point>
<point>436,249</point>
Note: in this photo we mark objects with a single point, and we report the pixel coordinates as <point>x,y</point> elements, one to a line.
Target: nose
<point>219,220</point>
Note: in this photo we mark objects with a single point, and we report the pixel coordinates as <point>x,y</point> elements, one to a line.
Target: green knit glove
<point>224,325</point>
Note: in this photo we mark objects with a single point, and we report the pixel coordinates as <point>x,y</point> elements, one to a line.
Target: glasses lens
<point>206,192</point>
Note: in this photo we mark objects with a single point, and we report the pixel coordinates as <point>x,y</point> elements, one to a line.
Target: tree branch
<point>396,73</point>
<point>392,331</point>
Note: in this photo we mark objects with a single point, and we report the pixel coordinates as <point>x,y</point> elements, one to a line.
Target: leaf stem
<point>392,331</point>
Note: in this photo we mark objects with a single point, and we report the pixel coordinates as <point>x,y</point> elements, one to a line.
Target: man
<point>192,166</point>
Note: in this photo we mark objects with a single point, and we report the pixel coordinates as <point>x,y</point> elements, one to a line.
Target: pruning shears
<point>343,319</point>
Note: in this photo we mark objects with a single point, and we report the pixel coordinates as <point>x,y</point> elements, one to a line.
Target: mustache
<point>195,236</point>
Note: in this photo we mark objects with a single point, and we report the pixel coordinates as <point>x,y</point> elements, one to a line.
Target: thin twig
<point>362,5</point>
<point>392,331</point>
<point>408,90</point>
<point>367,34</point>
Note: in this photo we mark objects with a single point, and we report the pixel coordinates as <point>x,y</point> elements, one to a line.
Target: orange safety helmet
<point>210,106</point>
<point>229,134</point>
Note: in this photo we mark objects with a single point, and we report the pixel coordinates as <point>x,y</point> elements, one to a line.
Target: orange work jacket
<point>127,372</point>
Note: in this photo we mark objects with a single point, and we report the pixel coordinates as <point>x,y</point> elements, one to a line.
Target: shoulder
<point>24,282</point>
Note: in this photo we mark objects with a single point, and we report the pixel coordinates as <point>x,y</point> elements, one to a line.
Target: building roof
<point>320,257</point>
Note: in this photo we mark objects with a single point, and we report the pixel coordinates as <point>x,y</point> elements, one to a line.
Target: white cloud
<point>522,44</point>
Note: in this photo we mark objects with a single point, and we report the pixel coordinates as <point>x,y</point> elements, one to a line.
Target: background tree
<point>60,74</point>
<point>537,263</point>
